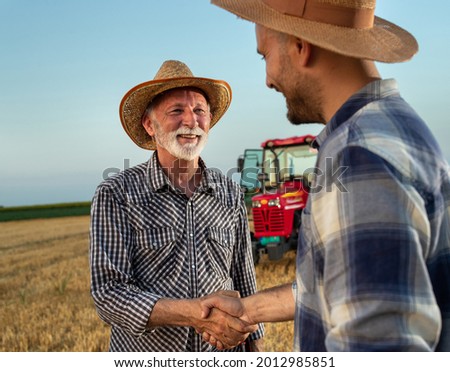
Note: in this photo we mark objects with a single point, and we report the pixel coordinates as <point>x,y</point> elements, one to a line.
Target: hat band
<point>317,11</point>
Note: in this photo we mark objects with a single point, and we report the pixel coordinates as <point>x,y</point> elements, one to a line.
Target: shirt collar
<point>158,180</point>
<point>374,91</point>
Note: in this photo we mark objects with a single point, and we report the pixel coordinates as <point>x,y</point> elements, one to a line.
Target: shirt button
<point>193,266</point>
<point>191,234</point>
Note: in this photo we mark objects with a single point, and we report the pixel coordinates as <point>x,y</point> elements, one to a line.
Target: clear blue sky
<point>65,66</point>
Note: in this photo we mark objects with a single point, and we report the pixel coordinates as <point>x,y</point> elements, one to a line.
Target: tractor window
<point>251,167</point>
<point>294,162</point>
<point>298,161</point>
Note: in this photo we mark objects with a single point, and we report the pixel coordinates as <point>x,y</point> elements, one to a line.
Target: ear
<point>148,126</point>
<point>304,52</point>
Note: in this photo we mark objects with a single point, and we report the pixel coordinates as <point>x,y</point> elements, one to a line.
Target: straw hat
<point>347,27</point>
<point>171,75</point>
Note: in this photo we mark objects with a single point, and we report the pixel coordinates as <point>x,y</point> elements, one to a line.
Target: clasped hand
<point>229,325</point>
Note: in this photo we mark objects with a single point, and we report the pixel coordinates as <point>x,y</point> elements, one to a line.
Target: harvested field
<point>44,289</point>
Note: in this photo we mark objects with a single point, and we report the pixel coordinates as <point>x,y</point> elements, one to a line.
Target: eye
<point>200,111</point>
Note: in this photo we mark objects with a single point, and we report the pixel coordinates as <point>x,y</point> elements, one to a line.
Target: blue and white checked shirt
<point>149,241</point>
<point>373,263</point>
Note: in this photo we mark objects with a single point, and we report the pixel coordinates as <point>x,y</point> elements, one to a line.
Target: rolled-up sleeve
<point>119,301</point>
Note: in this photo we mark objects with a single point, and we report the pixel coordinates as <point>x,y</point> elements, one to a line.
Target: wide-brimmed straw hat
<point>347,27</point>
<point>172,74</point>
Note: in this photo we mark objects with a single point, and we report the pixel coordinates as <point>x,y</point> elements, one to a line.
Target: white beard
<point>169,142</point>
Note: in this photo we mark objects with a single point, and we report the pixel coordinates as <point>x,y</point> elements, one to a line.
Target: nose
<point>272,85</point>
<point>189,118</point>
<point>269,82</point>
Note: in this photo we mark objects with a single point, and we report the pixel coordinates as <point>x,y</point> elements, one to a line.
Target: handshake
<point>223,318</point>
<point>227,319</point>
<point>226,323</point>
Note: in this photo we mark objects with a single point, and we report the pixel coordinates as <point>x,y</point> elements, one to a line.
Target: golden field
<point>44,289</point>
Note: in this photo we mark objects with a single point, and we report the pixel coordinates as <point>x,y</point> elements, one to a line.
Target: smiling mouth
<point>188,136</point>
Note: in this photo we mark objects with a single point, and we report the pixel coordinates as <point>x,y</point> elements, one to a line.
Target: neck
<point>342,77</point>
<point>185,175</point>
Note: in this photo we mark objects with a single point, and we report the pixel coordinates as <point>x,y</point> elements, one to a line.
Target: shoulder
<point>388,129</point>
<point>216,177</point>
<point>131,180</point>
<point>225,189</point>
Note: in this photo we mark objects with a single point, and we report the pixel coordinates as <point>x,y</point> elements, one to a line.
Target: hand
<point>229,330</point>
<point>229,302</point>
<point>225,331</point>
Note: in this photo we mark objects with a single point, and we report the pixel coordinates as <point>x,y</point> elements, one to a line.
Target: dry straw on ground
<point>44,289</point>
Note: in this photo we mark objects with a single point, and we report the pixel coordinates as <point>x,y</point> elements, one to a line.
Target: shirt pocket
<point>154,252</point>
<point>155,239</point>
<point>220,249</point>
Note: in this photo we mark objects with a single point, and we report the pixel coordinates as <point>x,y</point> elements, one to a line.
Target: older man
<point>169,231</point>
<point>373,261</point>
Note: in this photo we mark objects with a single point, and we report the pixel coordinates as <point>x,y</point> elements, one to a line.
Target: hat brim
<point>384,42</point>
<point>136,100</point>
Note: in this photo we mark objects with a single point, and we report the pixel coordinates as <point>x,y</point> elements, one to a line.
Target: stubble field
<point>44,289</point>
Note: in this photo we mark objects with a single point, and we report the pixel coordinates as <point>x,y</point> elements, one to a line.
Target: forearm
<point>175,313</point>
<point>228,330</point>
<point>124,307</point>
<point>275,304</point>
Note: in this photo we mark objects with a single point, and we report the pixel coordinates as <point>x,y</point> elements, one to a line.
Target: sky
<point>65,66</point>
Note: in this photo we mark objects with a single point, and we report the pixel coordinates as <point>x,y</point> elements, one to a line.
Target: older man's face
<point>180,122</point>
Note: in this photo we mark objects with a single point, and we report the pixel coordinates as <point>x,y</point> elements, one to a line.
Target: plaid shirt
<point>149,241</point>
<point>373,263</point>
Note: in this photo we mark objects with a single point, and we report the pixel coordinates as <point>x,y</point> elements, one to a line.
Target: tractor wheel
<point>293,240</point>
<point>255,253</point>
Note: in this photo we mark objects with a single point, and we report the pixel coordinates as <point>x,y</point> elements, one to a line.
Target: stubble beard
<point>304,104</point>
<point>303,96</point>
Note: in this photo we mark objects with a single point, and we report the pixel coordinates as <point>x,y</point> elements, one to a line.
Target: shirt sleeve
<point>118,299</point>
<point>374,233</point>
<point>243,270</point>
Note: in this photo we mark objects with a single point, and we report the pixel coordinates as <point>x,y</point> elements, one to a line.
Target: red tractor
<point>275,180</point>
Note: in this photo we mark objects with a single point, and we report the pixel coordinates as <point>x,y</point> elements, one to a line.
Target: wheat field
<point>44,289</point>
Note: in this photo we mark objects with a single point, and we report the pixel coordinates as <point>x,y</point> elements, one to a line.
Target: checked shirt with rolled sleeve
<point>149,241</point>
<point>373,262</point>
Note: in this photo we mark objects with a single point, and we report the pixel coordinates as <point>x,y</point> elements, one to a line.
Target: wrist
<point>249,310</point>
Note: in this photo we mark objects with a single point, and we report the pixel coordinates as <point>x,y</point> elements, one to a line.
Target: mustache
<point>194,131</point>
